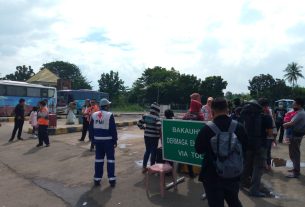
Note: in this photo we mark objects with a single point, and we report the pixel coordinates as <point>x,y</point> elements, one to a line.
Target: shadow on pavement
<point>33,150</point>
<point>87,153</point>
<point>95,197</point>
<point>173,197</point>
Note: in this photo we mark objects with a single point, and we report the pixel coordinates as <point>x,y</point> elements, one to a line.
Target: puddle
<point>126,136</point>
<point>139,163</point>
<point>279,162</point>
<point>290,165</point>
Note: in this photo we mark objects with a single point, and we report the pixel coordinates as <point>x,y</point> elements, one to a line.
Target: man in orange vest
<point>43,123</point>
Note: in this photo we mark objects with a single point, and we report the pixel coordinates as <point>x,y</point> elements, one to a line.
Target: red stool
<point>162,169</point>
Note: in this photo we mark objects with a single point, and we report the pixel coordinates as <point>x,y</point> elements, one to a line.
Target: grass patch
<point>127,108</point>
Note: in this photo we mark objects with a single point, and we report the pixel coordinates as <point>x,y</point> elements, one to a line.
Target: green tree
<point>186,85</point>
<point>292,73</point>
<point>155,84</point>
<point>260,86</point>
<point>212,86</point>
<point>268,87</point>
<point>112,84</point>
<point>69,71</point>
<point>22,73</point>
<point>229,95</point>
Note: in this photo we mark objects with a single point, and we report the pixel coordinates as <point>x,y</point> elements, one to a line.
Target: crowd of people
<point>254,128</point>
<point>39,120</point>
<point>236,143</point>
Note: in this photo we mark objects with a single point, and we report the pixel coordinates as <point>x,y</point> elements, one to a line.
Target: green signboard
<point>179,141</point>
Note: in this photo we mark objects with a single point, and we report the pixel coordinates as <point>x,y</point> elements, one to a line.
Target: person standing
<point>298,131</point>
<point>279,114</point>
<point>152,133</point>
<point>86,119</point>
<point>43,123</point>
<point>270,139</point>
<point>105,138</point>
<point>33,121</point>
<point>258,127</point>
<point>219,189</point>
<point>19,120</point>
<point>194,114</point>
<point>207,111</point>
<point>93,108</point>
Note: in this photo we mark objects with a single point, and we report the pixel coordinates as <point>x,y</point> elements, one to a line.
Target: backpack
<point>228,151</point>
<point>251,118</point>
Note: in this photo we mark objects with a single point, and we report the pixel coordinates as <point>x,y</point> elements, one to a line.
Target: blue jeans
<point>151,145</point>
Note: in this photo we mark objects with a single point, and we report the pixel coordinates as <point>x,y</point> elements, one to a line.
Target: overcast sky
<point>235,39</point>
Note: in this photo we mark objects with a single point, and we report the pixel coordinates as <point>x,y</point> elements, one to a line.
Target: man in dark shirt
<point>258,127</point>
<point>19,120</point>
<point>217,188</point>
<point>279,114</point>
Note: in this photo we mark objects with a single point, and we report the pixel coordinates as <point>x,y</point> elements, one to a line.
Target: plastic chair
<point>162,169</point>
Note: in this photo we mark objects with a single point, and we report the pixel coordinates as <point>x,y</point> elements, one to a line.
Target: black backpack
<point>252,119</point>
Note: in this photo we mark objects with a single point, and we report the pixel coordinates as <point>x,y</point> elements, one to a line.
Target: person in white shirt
<point>33,121</point>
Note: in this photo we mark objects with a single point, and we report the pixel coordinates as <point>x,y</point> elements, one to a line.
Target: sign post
<point>178,141</point>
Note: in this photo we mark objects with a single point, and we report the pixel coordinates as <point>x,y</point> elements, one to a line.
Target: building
<point>44,77</point>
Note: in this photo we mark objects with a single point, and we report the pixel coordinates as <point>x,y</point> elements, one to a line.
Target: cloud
<point>235,39</point>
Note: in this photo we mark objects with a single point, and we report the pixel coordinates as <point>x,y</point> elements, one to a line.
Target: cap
<point>104,102</point>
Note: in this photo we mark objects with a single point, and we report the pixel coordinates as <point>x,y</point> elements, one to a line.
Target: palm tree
<point>293,73</point>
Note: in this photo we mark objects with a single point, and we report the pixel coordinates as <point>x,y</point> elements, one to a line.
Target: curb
<point>72,129</point>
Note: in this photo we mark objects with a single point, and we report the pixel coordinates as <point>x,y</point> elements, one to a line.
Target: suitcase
<point>52,121</point>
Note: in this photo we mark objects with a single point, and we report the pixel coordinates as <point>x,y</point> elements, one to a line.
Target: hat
<point>154,107</point>
<point>104,102</point>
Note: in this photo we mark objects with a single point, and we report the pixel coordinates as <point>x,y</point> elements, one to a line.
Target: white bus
<point>12,91</point>
<point>287,103</point>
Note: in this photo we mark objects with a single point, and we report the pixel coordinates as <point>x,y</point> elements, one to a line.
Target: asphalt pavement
<point>62,175</point>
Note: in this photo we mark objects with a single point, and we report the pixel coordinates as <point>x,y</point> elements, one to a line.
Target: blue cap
<point>104,102</point>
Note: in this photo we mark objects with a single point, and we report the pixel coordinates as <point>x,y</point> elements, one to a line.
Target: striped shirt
<point>151,125</point>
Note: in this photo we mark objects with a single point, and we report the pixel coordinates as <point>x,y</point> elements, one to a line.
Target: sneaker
<point>81,140</point>
<point>48,145</point>
<point>20,138</point>
<point>39,145</point>
<point>34,136</point>
<point>291,170</point>
<point>10,140</point>
<point>257,194</point>
<point>112,184</point>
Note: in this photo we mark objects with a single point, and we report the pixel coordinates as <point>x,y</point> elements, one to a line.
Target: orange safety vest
<point>43,116</point>
<point>91,111</point>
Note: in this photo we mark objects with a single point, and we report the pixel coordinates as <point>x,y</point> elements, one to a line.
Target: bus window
<point>33,92</point>
<point>62,100</point>
<point>70,98</point>
<point>51,93</point>
<point>44,93</point>
<point>2,90</point>
<point>16,91</point>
